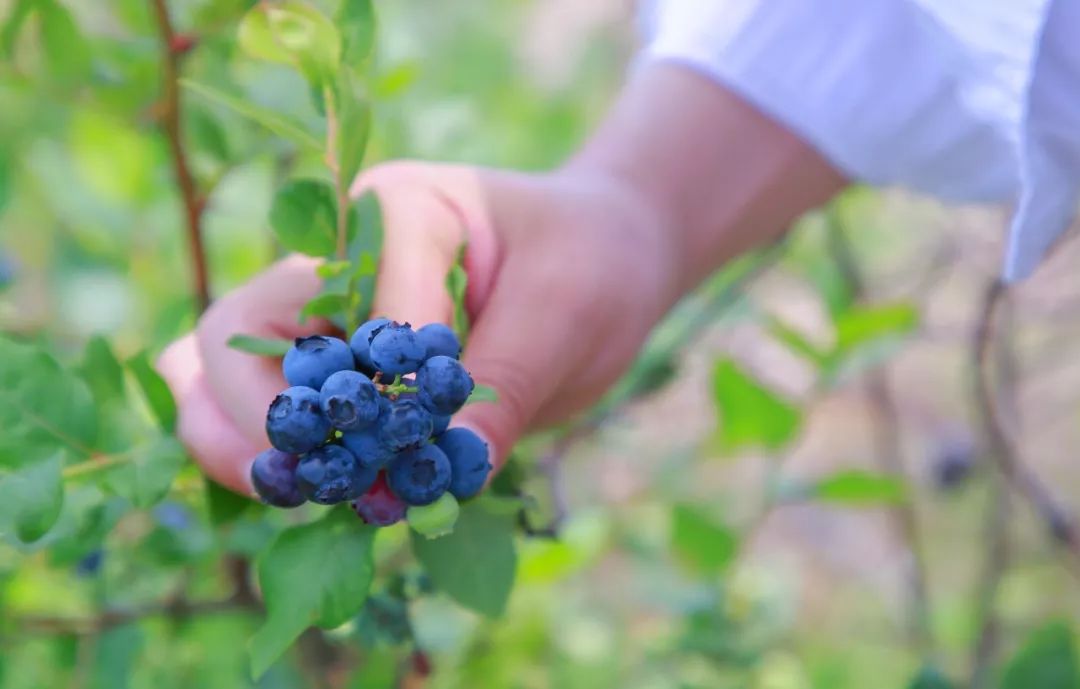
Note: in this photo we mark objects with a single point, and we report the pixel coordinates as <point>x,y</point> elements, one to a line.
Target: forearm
<point>722,176</point>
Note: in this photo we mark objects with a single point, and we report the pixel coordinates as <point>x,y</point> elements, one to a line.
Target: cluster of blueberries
<point>366,421</point>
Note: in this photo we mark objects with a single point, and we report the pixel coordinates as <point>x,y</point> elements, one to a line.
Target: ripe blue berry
<point>313,359</point>
<point>273,473</point>
<point>443,385</point>
<point>439,340</point>
<point>331,474</point>
<point>294,421</point>
<point>361,343</point>
<point>419,476</point>
<point>350,400</point>
<point>406,425</point>
<point>379,506</point>
<point>439,424</point>
<point>469,465</point>
<point>368,447</point>
<point>395,350</point>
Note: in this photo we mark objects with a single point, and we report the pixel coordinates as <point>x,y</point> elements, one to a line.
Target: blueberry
<point>312,360</point>
<point>90,564</point>
<point>294,421</point>
<point>439,340</point>
<point>406,425</point>
<point>273,473</point>
<point>350,400</point>
<point>469,465</point>
<point>439,424</point>
<point>379,506</point>
<point>367,446</point>
<point>172,515</point>
<point>443,385</point>
<point>419,476</point>
<point>395,350</point>
<point>361,343</point>
<point>331,474</point>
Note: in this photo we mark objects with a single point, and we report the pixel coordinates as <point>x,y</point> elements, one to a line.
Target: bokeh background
<point>684,558</point>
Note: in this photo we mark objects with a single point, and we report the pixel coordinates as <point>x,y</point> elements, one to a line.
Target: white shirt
<point>973,100</point>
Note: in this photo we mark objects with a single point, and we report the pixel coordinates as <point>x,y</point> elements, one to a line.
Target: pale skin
<point>568,270</point>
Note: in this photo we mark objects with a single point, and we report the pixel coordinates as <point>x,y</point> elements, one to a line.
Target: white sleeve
<point>963,99</point>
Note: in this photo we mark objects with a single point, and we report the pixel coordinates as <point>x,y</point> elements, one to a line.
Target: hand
<point>566,277</point>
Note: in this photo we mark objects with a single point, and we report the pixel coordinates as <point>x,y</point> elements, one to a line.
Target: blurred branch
<point>889,452</point>
<point>172,48</point>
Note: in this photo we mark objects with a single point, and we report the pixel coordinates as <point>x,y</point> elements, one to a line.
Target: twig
<point>194,204</point>
<point>889,452</point>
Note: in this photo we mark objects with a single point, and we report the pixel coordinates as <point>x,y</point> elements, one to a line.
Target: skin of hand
<point>568,271</point>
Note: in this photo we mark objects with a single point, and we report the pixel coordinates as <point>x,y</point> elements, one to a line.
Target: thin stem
<point>185,182</point>
<point>96,463</point>
<point>341,190</point>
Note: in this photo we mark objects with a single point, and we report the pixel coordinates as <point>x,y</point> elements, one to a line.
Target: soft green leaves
<point>318,573</point>
<point>292,32</point>
<point>457,283</point>
<point>102,372</point>
<point>155,390</point>
<point>750,414</point>
<point>324,306</point>
<point>148,472</point>
<point>65,48</point>
<point>353,129</point>
<point>224,505</point>
<point>855,487</point>
<point>475,564</point>
<point>701,541</point>
<point>930,677</point>
<point>356,18</point>
<point>304,217</point>
<point>34,494</point>
<point>1046,660</point>
<point>262,346</point>
<point>278,124</point>
<point>861,325</point>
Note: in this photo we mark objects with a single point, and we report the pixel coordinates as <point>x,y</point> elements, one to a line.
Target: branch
<point>172,47</point>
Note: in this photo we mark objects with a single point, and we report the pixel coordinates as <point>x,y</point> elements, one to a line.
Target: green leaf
<point>365,251</point>
<point>206,133</point>
<point>263,346</point>
<point>224,506</point>
<point>357,21</point>
<point>855,487</point>
<point>318,573</point>
<point>475,564</point>
<point>354,126</point>
<point>796,342</point>
<point>457,283</point>
<point>20,10</point>
<point>863,324</point>
<point>34,494</point>
<point>1046,660</point>
<point>155,390</point>
<point>65,48</point>
<point>304,217</point>
<point>102,372</point>
<point>750,414</point>
<point>116,654</point>
<point>483,393</point>
<point>278,124</point>
<point>292,32</point>
<point>325,306</point>
<point>701,541</point>
<point>43,408</point>
<point>929,677</point>
<point>147,475</point>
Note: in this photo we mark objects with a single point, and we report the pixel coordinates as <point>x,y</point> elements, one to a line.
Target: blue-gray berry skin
<point>314,359</point>
<point>439,424</point>
<point>368,447</point>
<point>439,340</point>
<point>361,343</point>
<point>350,400</point>
<point>273,473</point>
<point>406,425</point>
<point>443,385</point>
<point>469,461</point>
<point>395,350</point>
<point>295,422</point>
<point>331,474</point>
<point>419,476</point>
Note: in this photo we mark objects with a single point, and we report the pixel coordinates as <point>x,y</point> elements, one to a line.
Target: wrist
<point>719,176</point>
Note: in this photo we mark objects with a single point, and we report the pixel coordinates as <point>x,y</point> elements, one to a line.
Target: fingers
<point>244,384</point>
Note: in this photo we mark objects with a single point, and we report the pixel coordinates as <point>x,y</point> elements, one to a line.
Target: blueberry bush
<point>843,462</point>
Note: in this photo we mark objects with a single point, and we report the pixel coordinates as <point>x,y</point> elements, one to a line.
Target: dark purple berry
<point>350,400</point>
<point>273,473</point>
<point>379,506</point>
<point>439,340</point>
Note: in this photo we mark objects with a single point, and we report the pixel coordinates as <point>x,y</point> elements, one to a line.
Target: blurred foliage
<point>120,566</point>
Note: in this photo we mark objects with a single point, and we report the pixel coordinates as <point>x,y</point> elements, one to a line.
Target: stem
<point>96,463</point>
<point>193,203</point>
<point>341,190</point>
